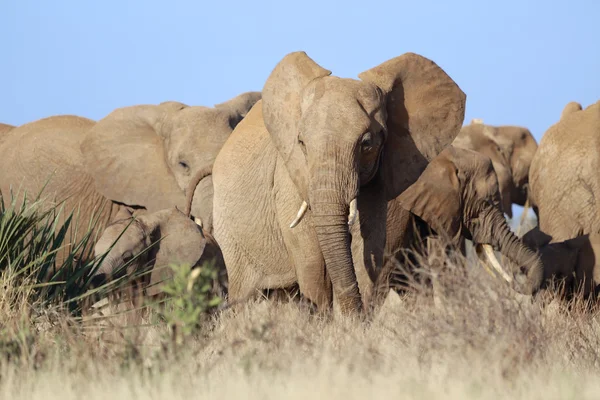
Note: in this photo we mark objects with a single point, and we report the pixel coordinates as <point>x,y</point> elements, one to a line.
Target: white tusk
<point>353,212</point>
<point>523,216</point>
<point>198,221</point>
<point>300,214</point>
<point>100,303</point>
<point>489,252</point>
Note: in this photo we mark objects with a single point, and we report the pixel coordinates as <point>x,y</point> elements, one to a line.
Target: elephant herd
<point>318,183</point>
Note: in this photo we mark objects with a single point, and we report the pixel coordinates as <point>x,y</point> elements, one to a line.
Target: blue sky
<point>518,61</point>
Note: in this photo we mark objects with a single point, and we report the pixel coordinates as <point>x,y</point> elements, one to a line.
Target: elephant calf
<point>180,240</point>
<point>573,260</point>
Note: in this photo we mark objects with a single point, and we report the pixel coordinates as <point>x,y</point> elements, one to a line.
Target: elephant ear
<point>571,107</point>
<point>124,153</point>
<point>282,98</point>
<point>425,109</point>
<point>239,106</point>
<point>435,197</point>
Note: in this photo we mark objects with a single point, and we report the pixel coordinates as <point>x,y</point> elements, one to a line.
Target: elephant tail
<point>189,198</point>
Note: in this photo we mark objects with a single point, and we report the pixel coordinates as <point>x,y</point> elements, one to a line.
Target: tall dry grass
<point>481,341</point>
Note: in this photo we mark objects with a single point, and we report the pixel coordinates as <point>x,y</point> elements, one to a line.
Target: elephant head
<point>519,147</point>
<point>153,240</point>
<point>148,155</point>
<point>474,137</point>
<point>338,136</point>
<point>458,195</point>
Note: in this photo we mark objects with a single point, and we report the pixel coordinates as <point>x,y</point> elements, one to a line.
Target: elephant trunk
<point>106,270</point>
<point>189,192</point>
<point>333,189</point>
<point>526,266</point>
<point>331,224</point>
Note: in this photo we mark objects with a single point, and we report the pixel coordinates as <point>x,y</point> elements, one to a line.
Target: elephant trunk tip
<point>189,192</point>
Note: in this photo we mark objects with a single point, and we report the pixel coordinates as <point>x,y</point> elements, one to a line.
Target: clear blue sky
<point>518,61</point>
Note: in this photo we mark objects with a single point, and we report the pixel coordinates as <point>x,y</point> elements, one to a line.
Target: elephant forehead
<point>349,107</point>
<point>112,232</point>
<point>200,121</point>
<point>348,93</point>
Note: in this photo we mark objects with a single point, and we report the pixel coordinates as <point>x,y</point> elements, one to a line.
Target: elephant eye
<point>127,257</point>
<point>366,142</point>
<point>184,165</point>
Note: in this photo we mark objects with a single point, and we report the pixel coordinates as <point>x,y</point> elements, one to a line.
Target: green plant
<point>32,233</point>
<point>190,298</point>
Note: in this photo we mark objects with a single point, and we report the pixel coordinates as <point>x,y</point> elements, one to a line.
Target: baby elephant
<point>575,260</point>
<point>176,239</point>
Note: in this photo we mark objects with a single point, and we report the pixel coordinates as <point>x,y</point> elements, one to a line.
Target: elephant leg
<point>305,254</point>
<point>242,286</point>
<point>302,246</point>
<point>247,228</point>
<point>368,240</point>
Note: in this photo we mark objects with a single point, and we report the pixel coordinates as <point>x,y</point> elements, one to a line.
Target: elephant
<point>142,158</point>
<point>4,128</point>
<point>572,261</point>
<point>511,149</point>
<point>301,185</point>
<point>149,155</point>
<point>151,242</point>
<point>563,184</point>
<point>475,136</point>
<point>457,197</point>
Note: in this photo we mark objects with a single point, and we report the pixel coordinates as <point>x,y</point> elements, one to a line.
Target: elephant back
<point>43,157</point>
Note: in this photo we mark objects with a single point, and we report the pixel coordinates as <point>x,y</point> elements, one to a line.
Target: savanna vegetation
<point>481,341</point>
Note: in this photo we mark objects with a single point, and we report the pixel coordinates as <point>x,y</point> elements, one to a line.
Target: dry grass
<point>481,343</point>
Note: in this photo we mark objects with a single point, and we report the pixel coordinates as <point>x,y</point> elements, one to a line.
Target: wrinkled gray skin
<point>326,141</point>
<point>511,149</point>
<point>180,241</point>
<point>564,181</point>
<point>575,261</point>
<point>139,157</point>
<point>458,197</point>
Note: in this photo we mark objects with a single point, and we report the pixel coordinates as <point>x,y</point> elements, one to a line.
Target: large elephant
<point>511,149</point>
<point>141,157</point>
<point>564,183</point>
<point>458,197</point>
<point>151,242</point>
<point>302,184</point>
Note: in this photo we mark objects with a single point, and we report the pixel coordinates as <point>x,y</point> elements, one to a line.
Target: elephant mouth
<point>304,207</point>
